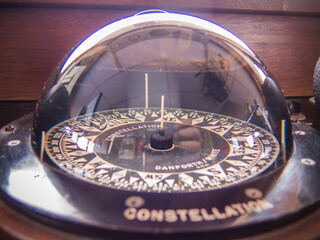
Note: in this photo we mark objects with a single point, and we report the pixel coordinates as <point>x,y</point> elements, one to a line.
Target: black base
<point>70,203</point>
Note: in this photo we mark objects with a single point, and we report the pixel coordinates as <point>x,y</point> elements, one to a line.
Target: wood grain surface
<point>34,39</point>
<point>288,7</point>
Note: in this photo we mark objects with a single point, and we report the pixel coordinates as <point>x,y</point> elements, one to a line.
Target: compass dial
<point>209,151</point>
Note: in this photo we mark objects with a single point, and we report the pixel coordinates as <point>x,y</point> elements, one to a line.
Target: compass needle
<point>162,113</point>
<point>162,139</point>
<point>146,76</point>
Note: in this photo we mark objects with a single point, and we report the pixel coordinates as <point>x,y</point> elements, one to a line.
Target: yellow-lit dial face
<point>209,151</point>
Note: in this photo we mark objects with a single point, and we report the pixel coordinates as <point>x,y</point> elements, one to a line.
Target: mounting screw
<point>9,128</point>
<point>253,193</point>
<point>300,133</point>
<point>308,161</point>
<point>135,201</point>
<point>14,143</point>
<point>293,119</point>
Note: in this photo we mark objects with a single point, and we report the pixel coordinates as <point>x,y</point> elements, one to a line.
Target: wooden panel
<point>33,40</point>
<point>291,7</point>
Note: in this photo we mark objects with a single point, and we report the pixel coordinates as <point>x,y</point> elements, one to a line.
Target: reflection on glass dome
<point>114,81</point>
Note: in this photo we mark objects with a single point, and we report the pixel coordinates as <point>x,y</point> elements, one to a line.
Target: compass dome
<point>196,64</point>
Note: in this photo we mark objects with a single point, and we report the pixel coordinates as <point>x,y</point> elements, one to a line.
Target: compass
<point>161,123</point>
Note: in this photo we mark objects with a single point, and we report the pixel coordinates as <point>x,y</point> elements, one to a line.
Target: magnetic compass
<point>160,123</point>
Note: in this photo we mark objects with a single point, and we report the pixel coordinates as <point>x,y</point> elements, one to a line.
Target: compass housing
<point>96,159</point>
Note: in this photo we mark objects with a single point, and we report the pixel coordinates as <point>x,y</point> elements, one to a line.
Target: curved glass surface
<point>221,108</point>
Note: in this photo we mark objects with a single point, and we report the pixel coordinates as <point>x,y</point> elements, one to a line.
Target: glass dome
<point>162,93</point>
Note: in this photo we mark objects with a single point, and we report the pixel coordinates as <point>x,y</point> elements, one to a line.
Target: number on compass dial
<point>208,151</point>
